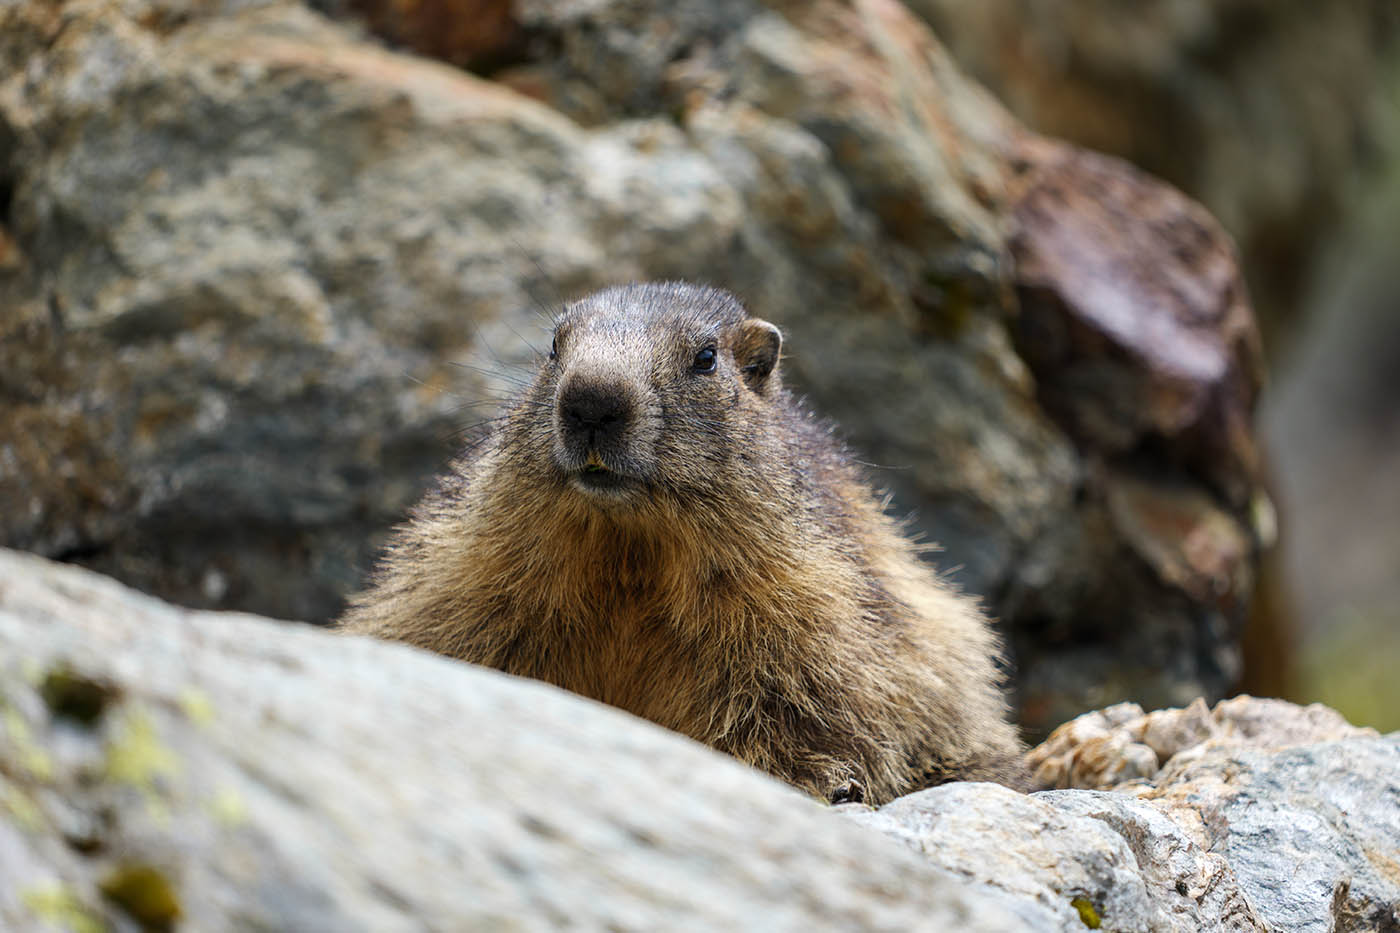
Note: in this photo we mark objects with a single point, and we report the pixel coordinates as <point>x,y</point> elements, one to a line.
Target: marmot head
<point>649,390</point>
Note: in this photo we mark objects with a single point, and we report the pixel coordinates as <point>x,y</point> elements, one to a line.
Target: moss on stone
<point>228,808</point>
<point>59,907</point>
<point>75,696</point>
<point>197,707</point>
<point>136,755</point>
<point>21,807</point>
<point>32,757</point>
<point>144,893</point>
<point>1087,914</point>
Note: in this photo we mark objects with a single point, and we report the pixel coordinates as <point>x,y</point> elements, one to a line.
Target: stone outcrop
<point>1095,859</point>
<point>1254,815</point>
<point>158,764</point>
<point>161,766</point>
<point>258,274</point>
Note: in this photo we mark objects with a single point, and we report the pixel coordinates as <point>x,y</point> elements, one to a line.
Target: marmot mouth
<point>597,478</point>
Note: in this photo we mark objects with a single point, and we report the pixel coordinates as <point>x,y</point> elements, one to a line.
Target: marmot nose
<point>593,413</point>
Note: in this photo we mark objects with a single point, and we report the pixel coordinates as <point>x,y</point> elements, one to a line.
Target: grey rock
<point>1106,748</point>
<point>1121,858</point>
<point>244,774</point>
<point>1312,832</point>
<point>264,776</point>
<point>260,276</point>
<point>1261,815</point>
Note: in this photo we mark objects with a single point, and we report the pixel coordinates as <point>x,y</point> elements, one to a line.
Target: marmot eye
<point>554,349</point>
<point>705,361</point>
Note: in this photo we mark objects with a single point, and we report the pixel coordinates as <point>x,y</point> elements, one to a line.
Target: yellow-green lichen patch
<point>76,697</point>
<point>197,707</point>
<point>228,809</point>
<point>31,672</point>
<point>31,756</point>
<point>1087,914</point>
<point>144,893</point>
<point>60,908</point>
<point>135,756</point>
<point>21,807</point>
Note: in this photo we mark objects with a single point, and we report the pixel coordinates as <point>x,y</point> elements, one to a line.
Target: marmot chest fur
<point>657,524</point>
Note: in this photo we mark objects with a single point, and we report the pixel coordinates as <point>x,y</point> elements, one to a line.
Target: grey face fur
<point>617,355</point>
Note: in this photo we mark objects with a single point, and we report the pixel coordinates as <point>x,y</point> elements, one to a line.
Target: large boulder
<point>224,772</point>
<point>237,774</point>
<point>257,275</point>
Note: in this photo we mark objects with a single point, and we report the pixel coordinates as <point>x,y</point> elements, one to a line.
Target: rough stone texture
<point>1265,111</point>
<point>1137,330</point>
<point>1261,816</point>
<point>257,274</point>
<point>1128,343</point>
<point>1107,747</point>
<point>1134,867</point>
<point>1282,118</point>
<point>1312,832</point>
<point>247,775</point>
<point>219,769</point>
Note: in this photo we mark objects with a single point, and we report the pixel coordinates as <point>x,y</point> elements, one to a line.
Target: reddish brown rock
<point>475,34</point>
<point>1134,318</point>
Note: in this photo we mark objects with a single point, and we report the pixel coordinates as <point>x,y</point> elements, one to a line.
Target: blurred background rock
<point>261,264</point>
<point>1283,118</point>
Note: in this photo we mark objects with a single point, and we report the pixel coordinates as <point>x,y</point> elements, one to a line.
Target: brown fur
<point>742,586</point>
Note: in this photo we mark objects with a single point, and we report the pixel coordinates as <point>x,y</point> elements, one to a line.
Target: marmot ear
<point>756,351</point>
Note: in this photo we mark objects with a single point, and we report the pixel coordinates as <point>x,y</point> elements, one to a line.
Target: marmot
<point>658,524</point>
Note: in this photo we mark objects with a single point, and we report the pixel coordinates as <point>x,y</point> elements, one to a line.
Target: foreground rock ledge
<point>227,772</point>
<point>250,775</point>
<point>1256,815</point>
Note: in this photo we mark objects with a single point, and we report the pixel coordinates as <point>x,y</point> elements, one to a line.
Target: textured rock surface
<point>159,763</point>
<point>1118,857</point>
<point>1137,330</point>
<point>1257,815</point>
<point>1104,748</point>
<point>1282,118</point>
<point>246,775</point>
<point>257,273</point>
<point>1312,832</point>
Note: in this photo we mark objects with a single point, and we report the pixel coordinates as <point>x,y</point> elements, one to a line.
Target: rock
<point>1312,832</point>
<point>475,34</point>
<point>259,274</point>
<point>1137,81</point>
<point>1105,748</point>
<point>1078,854</point>
<point>163,766</point>
<point>1127,344</point>
<point>1132,351</point>
<point>1262,816</point>
<point>237,774</point>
